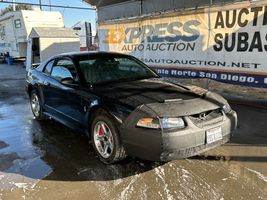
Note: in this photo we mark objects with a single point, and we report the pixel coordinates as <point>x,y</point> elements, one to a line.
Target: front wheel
<point>36,106</point>
<point>105,139</point>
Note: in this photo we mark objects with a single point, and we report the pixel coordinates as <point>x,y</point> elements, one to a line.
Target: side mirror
<point>68,81</point>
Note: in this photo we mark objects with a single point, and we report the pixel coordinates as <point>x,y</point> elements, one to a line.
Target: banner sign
<point>228,44</point>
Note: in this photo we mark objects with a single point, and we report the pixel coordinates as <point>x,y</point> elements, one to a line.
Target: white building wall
<point>32,18</point>
<point>52,46</point>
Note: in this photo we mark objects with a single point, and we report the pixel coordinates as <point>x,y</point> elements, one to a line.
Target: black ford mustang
<point>126,108</point>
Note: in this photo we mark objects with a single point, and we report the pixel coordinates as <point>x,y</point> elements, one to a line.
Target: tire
<point>105,139</point>
<point>36,105</point>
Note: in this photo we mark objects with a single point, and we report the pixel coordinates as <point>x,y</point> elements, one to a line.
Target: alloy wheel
<point>35,104</point>
<point>103,139</point>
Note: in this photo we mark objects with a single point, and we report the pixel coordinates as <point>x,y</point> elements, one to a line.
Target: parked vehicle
<point>126,108</point>
<point>84,31</point>
<point>15,28</point>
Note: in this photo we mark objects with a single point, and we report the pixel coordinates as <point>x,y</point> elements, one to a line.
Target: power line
<point>46,5</point>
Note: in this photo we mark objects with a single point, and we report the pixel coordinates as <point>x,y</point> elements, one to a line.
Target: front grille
<point>207,118</point>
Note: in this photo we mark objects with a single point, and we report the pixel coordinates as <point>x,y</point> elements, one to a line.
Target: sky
<point>71,16</point>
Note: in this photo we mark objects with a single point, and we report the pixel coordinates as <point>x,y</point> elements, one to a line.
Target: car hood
<point>147,91</point>
<point>211,101</point>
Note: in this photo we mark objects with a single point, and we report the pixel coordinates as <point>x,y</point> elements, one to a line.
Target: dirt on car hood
<point>147,91</point>
<point>177,108</point>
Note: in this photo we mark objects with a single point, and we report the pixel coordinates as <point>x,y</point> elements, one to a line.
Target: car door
<point>63,100</point>
<point>48,86</point>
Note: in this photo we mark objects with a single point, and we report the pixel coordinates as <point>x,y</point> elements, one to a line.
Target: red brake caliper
<point>100,132</point>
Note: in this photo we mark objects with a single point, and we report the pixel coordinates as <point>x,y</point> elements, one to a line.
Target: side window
<point>48,67</point>
<point>69,65</point>
<point>60,72</point>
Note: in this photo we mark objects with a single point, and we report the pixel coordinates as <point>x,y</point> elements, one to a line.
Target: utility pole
<point>14,5</point>
<point>40,3</point>
<point>50,4</point>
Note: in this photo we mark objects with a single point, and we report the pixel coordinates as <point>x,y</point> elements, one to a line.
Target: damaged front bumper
<point>193,140</point>
<point>165,145</point>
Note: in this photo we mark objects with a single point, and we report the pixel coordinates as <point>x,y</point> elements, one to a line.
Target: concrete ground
<point>44,160</point>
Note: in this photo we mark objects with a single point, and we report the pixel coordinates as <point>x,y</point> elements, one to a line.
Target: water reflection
<point>48,150</point>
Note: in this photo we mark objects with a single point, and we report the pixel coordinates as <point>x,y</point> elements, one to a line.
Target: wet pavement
<point>44,160</point>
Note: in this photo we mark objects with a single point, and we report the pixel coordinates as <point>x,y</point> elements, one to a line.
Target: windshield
<point>113,69</point>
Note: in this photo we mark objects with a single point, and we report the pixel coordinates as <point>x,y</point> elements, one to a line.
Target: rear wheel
<point>36,107</point>
<point>105,139</point>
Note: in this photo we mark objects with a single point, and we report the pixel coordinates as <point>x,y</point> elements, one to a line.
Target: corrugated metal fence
<point>128,9</point>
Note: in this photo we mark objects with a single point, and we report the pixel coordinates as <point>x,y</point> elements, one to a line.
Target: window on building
<point>17,23</point>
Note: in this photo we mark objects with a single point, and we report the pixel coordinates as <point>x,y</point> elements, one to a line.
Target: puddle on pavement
<point>47,150</point>
<point>16,133</point>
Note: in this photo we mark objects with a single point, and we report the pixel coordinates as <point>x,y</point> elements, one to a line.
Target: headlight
<point>148,123</point>
<point>167,123</point>
<point>227,108</point>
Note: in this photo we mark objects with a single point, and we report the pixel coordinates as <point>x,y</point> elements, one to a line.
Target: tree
<point>18,7</point>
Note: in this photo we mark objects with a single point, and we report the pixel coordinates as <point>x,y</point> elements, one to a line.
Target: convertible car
<point>126,108</point>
